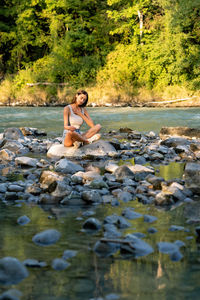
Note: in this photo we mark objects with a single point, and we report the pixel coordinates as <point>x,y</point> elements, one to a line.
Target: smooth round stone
<point>46,237</point>
<point>69,254</point>
<point>23,220</point>
<point>12,271</point>
<point>152,230</point>
<point>59,264</point>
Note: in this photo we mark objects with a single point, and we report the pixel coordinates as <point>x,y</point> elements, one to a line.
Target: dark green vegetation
<point>140,49</point>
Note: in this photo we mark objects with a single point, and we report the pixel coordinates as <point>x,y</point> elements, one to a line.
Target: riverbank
<point>53,95</point>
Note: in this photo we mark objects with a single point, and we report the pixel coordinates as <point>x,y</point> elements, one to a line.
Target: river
<point>153,277</point>
<point>50,119</point>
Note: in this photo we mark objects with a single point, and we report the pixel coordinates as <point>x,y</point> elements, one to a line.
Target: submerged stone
<point>59,264</point>
<point>136,247</point>
<point>23,220</point>
<point>46,237</point>
<point>12,271</point>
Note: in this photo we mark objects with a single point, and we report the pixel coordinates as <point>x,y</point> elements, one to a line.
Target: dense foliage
<point>150,44</point>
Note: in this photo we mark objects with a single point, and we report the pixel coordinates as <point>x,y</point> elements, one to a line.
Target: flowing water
<point>142,119</point>
<point>153,277</point>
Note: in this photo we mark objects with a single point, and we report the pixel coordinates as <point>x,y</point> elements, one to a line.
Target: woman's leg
<point>92,131</point>
<point>72,137</point>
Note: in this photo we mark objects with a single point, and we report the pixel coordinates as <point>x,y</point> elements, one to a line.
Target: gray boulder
<point>92,196</point>
<point>59,264</point>
<point>13,134</point>
<point>67,167</point>
<point>26,161</point>
<point>192,177</point>
<point>12,271</point>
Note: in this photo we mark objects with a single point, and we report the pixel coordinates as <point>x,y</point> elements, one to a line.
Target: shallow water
<point>50,119</point>
<point>153,277</point>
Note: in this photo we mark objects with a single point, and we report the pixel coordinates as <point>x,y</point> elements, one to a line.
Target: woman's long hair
<point>80,92</point>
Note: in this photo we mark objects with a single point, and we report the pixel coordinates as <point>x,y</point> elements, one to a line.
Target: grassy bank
<point>99,95</point>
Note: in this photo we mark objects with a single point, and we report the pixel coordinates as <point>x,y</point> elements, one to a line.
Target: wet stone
<point>105,249</point>
<point>137,247</point>
<point>152,230</point>
<point>92,224</point>
<point>23,220</point>
<point>33,263</point>
<point>131,214</point>
<point>11,294</point>
<point>176,228</point>
<point>69,254</point>
<point>46,237</point>
<point>12,271</point>
<point>150,219</point>
<point>59,264</point>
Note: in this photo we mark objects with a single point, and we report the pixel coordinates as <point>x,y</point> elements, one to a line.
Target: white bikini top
<point>74,119</point>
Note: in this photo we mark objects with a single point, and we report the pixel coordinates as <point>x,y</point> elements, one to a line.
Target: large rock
<point>13,134</point>
<point>192,177</point>
<point>67,167</point>
<point>175,141</point>
<point>46,237</point>
<point>99,148</point>
<point>179,131</point>
<point>12,271</point>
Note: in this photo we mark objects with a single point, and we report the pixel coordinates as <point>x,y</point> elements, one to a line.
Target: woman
<point>74,116</point>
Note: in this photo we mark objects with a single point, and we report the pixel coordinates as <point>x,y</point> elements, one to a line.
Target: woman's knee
<point>98,127</point>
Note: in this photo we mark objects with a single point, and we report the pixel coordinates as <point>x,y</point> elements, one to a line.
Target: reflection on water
<point>50,119</point>
<point>89,276</point>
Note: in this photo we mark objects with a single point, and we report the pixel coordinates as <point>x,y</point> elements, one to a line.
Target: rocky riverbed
<point>119,168</point>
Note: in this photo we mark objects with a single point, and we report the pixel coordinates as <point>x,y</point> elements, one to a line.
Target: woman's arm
<point>86,117</point>
<point>67,126</point>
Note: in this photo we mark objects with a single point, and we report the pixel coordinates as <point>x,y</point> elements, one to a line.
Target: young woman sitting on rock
<point>74,116</point>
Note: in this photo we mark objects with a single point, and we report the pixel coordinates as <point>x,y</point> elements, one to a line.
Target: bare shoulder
<point>66,108</point>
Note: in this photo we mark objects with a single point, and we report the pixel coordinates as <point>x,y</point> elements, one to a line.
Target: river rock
<point>32,131</point>
<point>150,219</point>
<point>130,214</point>
<point>192,212</point>
<point>124,196</point>
<point>62,189</point>
<point>15,188</point>
<point>89,176</point>
<point>155,181</point>
<point>23,220</point>
<point>179,131</point>
<point>98,184</point>
<point>91,196</point>
<point>13,134</point>
<point>141,172</point>
<point>174,142</point>
<point>46,237</point>
<point>99,148</point>
<point>136,246</point>
<point>92,224</point>
<point>15,146</point>
<point>67,167</point>
<point>48,178</point>
<point>123,172</point>
<point>59,264</point>
<point>111,167</point>
<point>163,199</point>
<point>192,177</point>
<point>11,294</point>
<point>12,271</point>
<point>34,263</point>
<point>7,155</point>
<point>69,254</point>
<point>111,231</point>
<point>26,161</point>
<point>172,249</point>
<point>103,249</point>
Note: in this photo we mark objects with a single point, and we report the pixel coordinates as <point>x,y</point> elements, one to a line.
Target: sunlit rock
<point>179,131</point>
<point>99,148</point>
